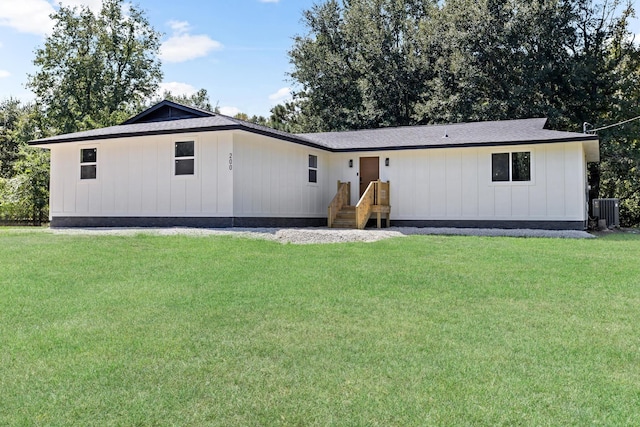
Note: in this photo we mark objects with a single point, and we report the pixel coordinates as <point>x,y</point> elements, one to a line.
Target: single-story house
<point>174,165</point>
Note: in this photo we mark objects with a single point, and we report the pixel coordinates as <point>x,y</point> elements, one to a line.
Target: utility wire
<point>610,126</point>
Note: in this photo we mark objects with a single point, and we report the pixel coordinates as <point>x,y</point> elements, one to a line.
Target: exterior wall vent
<point>608,210</point>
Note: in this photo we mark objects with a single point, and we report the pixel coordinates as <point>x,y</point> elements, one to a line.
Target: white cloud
<point>177,88</point>
<point>32,16</point>
<point>180,27</point>
<point>281,95</point>
<point>27,16</point>
<point>182,46</point>
<point>4,73</point>
<point>229,111</point>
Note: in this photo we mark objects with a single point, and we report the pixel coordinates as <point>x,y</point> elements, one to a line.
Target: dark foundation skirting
<point>194,222</point>
<point>272,222</point>
<point>535,225</point>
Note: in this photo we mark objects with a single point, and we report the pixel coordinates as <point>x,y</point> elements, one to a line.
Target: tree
<point>287,118</point>
<point>96,69</point>
<point>498,59</point>
<point>24,181</point>
<point>10,112</point>
<point>618,173</point>
<point>200,99</point>
<point>362,64</point>
<point>30,185</point>
<point>370,63</point>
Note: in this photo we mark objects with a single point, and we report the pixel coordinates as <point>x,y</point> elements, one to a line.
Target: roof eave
<point>467,145</point>
<point>298,140</point>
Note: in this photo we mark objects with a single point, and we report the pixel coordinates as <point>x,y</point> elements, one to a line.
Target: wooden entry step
<point>346,218</point>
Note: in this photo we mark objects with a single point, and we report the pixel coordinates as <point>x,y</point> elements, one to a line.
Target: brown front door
<point>369,171</point>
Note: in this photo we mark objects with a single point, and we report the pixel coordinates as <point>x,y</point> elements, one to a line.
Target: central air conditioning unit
<point>608,210</point>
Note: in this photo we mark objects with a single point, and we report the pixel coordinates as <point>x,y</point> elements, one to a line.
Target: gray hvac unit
<point>607,209</point>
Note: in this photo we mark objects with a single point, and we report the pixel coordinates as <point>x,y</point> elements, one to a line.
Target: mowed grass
<point>423,330</point>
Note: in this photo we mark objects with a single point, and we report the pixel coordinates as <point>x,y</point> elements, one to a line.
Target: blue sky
<point>236,49</point>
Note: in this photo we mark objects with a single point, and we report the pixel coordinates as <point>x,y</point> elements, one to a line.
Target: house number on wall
<point>230,161</point>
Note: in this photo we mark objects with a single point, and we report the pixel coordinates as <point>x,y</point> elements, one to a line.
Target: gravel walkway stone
<point>325,235</point>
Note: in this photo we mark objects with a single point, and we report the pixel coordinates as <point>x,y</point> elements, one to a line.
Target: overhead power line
<point>584,126</point>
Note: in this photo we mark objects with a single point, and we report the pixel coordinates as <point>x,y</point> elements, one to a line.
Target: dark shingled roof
<point>507,132</point>
<point>216,122</point>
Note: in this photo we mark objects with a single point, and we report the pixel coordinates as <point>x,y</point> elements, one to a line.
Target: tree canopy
<point>200,99</point>
<point>24,171</point>
<point>96,69</point>
<point>372,63</point>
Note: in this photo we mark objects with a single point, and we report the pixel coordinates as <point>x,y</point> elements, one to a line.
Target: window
<point>521,166</point>
<point>313,168</point>
<point>88,163</point>
<point>500,167</point>
<point>511,166</point>
<point>185,158</point>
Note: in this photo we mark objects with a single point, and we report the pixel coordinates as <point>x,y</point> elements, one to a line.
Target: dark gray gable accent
<point>165,111</point>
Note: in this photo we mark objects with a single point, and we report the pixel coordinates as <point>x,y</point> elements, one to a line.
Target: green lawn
<point>423,330</point>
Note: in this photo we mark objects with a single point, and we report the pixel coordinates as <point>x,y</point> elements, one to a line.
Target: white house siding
<point>454,184</point>
<point>244,175</point>
<point>271,179</point>
<point>135,178</point>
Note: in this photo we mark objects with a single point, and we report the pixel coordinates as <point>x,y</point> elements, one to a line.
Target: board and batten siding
<point>455,183</point>
<point>271,179</point>
<point>244,175</point>
<point>135,177</point>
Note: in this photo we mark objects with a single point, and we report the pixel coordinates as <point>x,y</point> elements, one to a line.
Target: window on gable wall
<point>88,163</point>
<point>515,166</point>
<point>185,158</point>
<point>313,168</point>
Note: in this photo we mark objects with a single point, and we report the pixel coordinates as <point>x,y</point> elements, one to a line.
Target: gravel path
<point>325,235</point>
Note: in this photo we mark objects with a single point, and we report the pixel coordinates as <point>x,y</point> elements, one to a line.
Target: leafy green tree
<point>96,69</point>
<point>19,123</point>
<point>200,99</point>
<point>10,112</point>
<point>370,63</point>
<point>30,185</point>
<point>498,60</point>
<point>24,182</point>
<point>361,64</point>
<point>618,173</point>
<point>287,118</point>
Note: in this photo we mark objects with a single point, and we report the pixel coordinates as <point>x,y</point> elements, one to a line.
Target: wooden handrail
<point>376,194</point>
<point>363,208</point>
<point>342,198</point>
<point>382,193</point>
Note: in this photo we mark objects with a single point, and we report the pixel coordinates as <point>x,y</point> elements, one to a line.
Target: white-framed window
<point>88,163</point>
<point>313,168</point>
<point>514,166</point>
<point>184,158</point>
